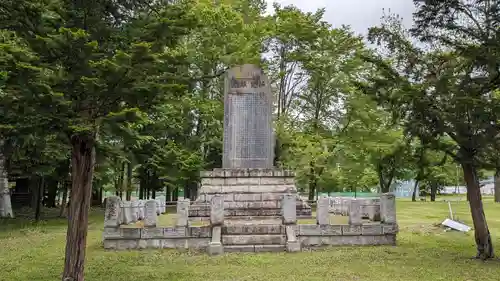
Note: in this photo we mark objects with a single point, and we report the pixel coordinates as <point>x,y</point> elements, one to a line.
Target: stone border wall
<point>209,238</point>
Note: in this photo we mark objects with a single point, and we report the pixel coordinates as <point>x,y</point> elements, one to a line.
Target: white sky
<point>359,14</point>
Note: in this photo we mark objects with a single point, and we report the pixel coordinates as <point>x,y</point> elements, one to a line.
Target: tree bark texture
<point>62,212</point>
<point>497,186</point>
<point>82,159</point>
<point>414,194</point>
<point>481,230</point>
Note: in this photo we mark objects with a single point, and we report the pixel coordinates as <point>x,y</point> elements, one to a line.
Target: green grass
<point>424,252</point>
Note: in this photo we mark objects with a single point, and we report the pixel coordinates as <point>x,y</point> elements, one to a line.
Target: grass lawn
<point>31,252</point>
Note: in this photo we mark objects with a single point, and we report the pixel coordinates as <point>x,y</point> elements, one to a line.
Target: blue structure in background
<point>404,189</point>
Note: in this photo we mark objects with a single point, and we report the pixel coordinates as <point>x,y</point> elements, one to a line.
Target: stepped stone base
<point>248,193</point>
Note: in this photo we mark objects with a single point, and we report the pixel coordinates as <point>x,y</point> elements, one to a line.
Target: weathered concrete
<point>112,216</point>
<point>248,131</point>
<point>182,212</point>
<point>322,214</point>
<point>150,216</point>
<point>355,215</point>
<point>388,208</point>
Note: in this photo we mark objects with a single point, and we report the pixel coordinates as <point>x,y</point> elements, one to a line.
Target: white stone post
<point>150,216</point>
<point>355,215</point>
<point>217,221</point>
<point>289,209</point>
<point>182,212</point>
<point>112,214</point>
<point>322,215</point>
<point>388,208</point>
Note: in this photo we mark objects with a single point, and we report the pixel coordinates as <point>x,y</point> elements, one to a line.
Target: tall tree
<point>445,100</point>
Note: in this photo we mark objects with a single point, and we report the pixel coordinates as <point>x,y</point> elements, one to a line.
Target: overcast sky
<point>359,14</point>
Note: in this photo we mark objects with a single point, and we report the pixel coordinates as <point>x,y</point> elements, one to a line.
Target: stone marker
<point>5,200</point>
<point>134,210</point>
<point>217,210</point>
<point>126,212</point>
<point>322,215</point>
<point>182,212</point>
<point>292,244</point>
<point>150,216</point>
<point>289,209</point>
<point>388,208</point>
<point>248,131</point>
<point>141,207</point>
<point>113,212</point>
<point>355,212</point>
<point>215,246</point>
<point>158,204</point>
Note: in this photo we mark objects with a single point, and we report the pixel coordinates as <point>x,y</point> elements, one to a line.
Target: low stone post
<point>322,215</point>
<point>182,212</point>
<point>126,212</point>
<point>141,212</point>
<point>134,205</point>
<point>217,221</point>
<point>289,210</point>
<point>150,216</point>
<point>355,215</point>
<point>388,208</point>
<point>113,212</point>
<point>158,207</point>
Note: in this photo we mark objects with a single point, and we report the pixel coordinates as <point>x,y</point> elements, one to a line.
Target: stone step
<point>253,228</point>
<point>262,239</point>
<point>254,248</point>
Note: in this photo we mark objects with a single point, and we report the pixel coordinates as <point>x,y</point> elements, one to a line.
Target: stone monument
<point>251,186</point>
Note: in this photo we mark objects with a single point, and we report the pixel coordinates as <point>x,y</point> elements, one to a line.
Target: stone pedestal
<point>248,193</point>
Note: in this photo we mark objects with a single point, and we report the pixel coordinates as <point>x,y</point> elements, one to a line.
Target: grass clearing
<point>32,252</point>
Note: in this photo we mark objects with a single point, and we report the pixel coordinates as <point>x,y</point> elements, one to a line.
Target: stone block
<point>390,228</point>
<point>206,174</point>
<point>113,212</point>
<point>111,233</point>
<point>234,189</point>
<point>228,196</point>
<point>388,208</point>
<point>149,244</point>
<point>217,210</point>
<point>291,235</point>
<point>252,229</point>
<point>127,244</point>
<point>239,248</point>
<point>208,189</point>
<point>215,248</point>
<point>174,232</point>
<point>253,239</point>
<point>131,233</point>
<point>329,230</point>
<point>110,244</point>
<point>248,197</point>
<point>371,229</point>
<point>271,196</point>
<point>152,232</point>
<point>197,243</point>
<point>271,181</point>
<point>269,248</point>
<point>289,209</point>
<point>309,230</point>
<point>182,212</point>
<point>199,231</point>
<point>355,212</point>
<point>322,215</point>
<point>150,216</point>
<point>351,230</point>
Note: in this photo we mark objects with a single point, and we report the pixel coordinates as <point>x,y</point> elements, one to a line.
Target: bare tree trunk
<point>5,202</point>
<point>481,230</point>
<point>414,195</point>
<point>62,212</point>
<point>497,186</point>
<point>129,181</point>
<point>82,160</point>
<point>433,192</point>
<point>39,198</point>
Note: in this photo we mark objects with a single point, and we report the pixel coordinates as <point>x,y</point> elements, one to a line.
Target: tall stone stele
<point>251,186</point>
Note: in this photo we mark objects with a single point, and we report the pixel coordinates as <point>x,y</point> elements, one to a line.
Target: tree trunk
<point>52,187</point>
<point>414,195</point>
<point>481,230</point>
<point>82,160</point>
<point>312,182</point>
<point>433,192</point>
<point>5,201</point>
<point>62,212</point>
<point>141,189</point>
<point>153,194</point>
<point>129,181</point>
<point>168,194</point>
<point>39,198</point>
<point>497,186</point>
